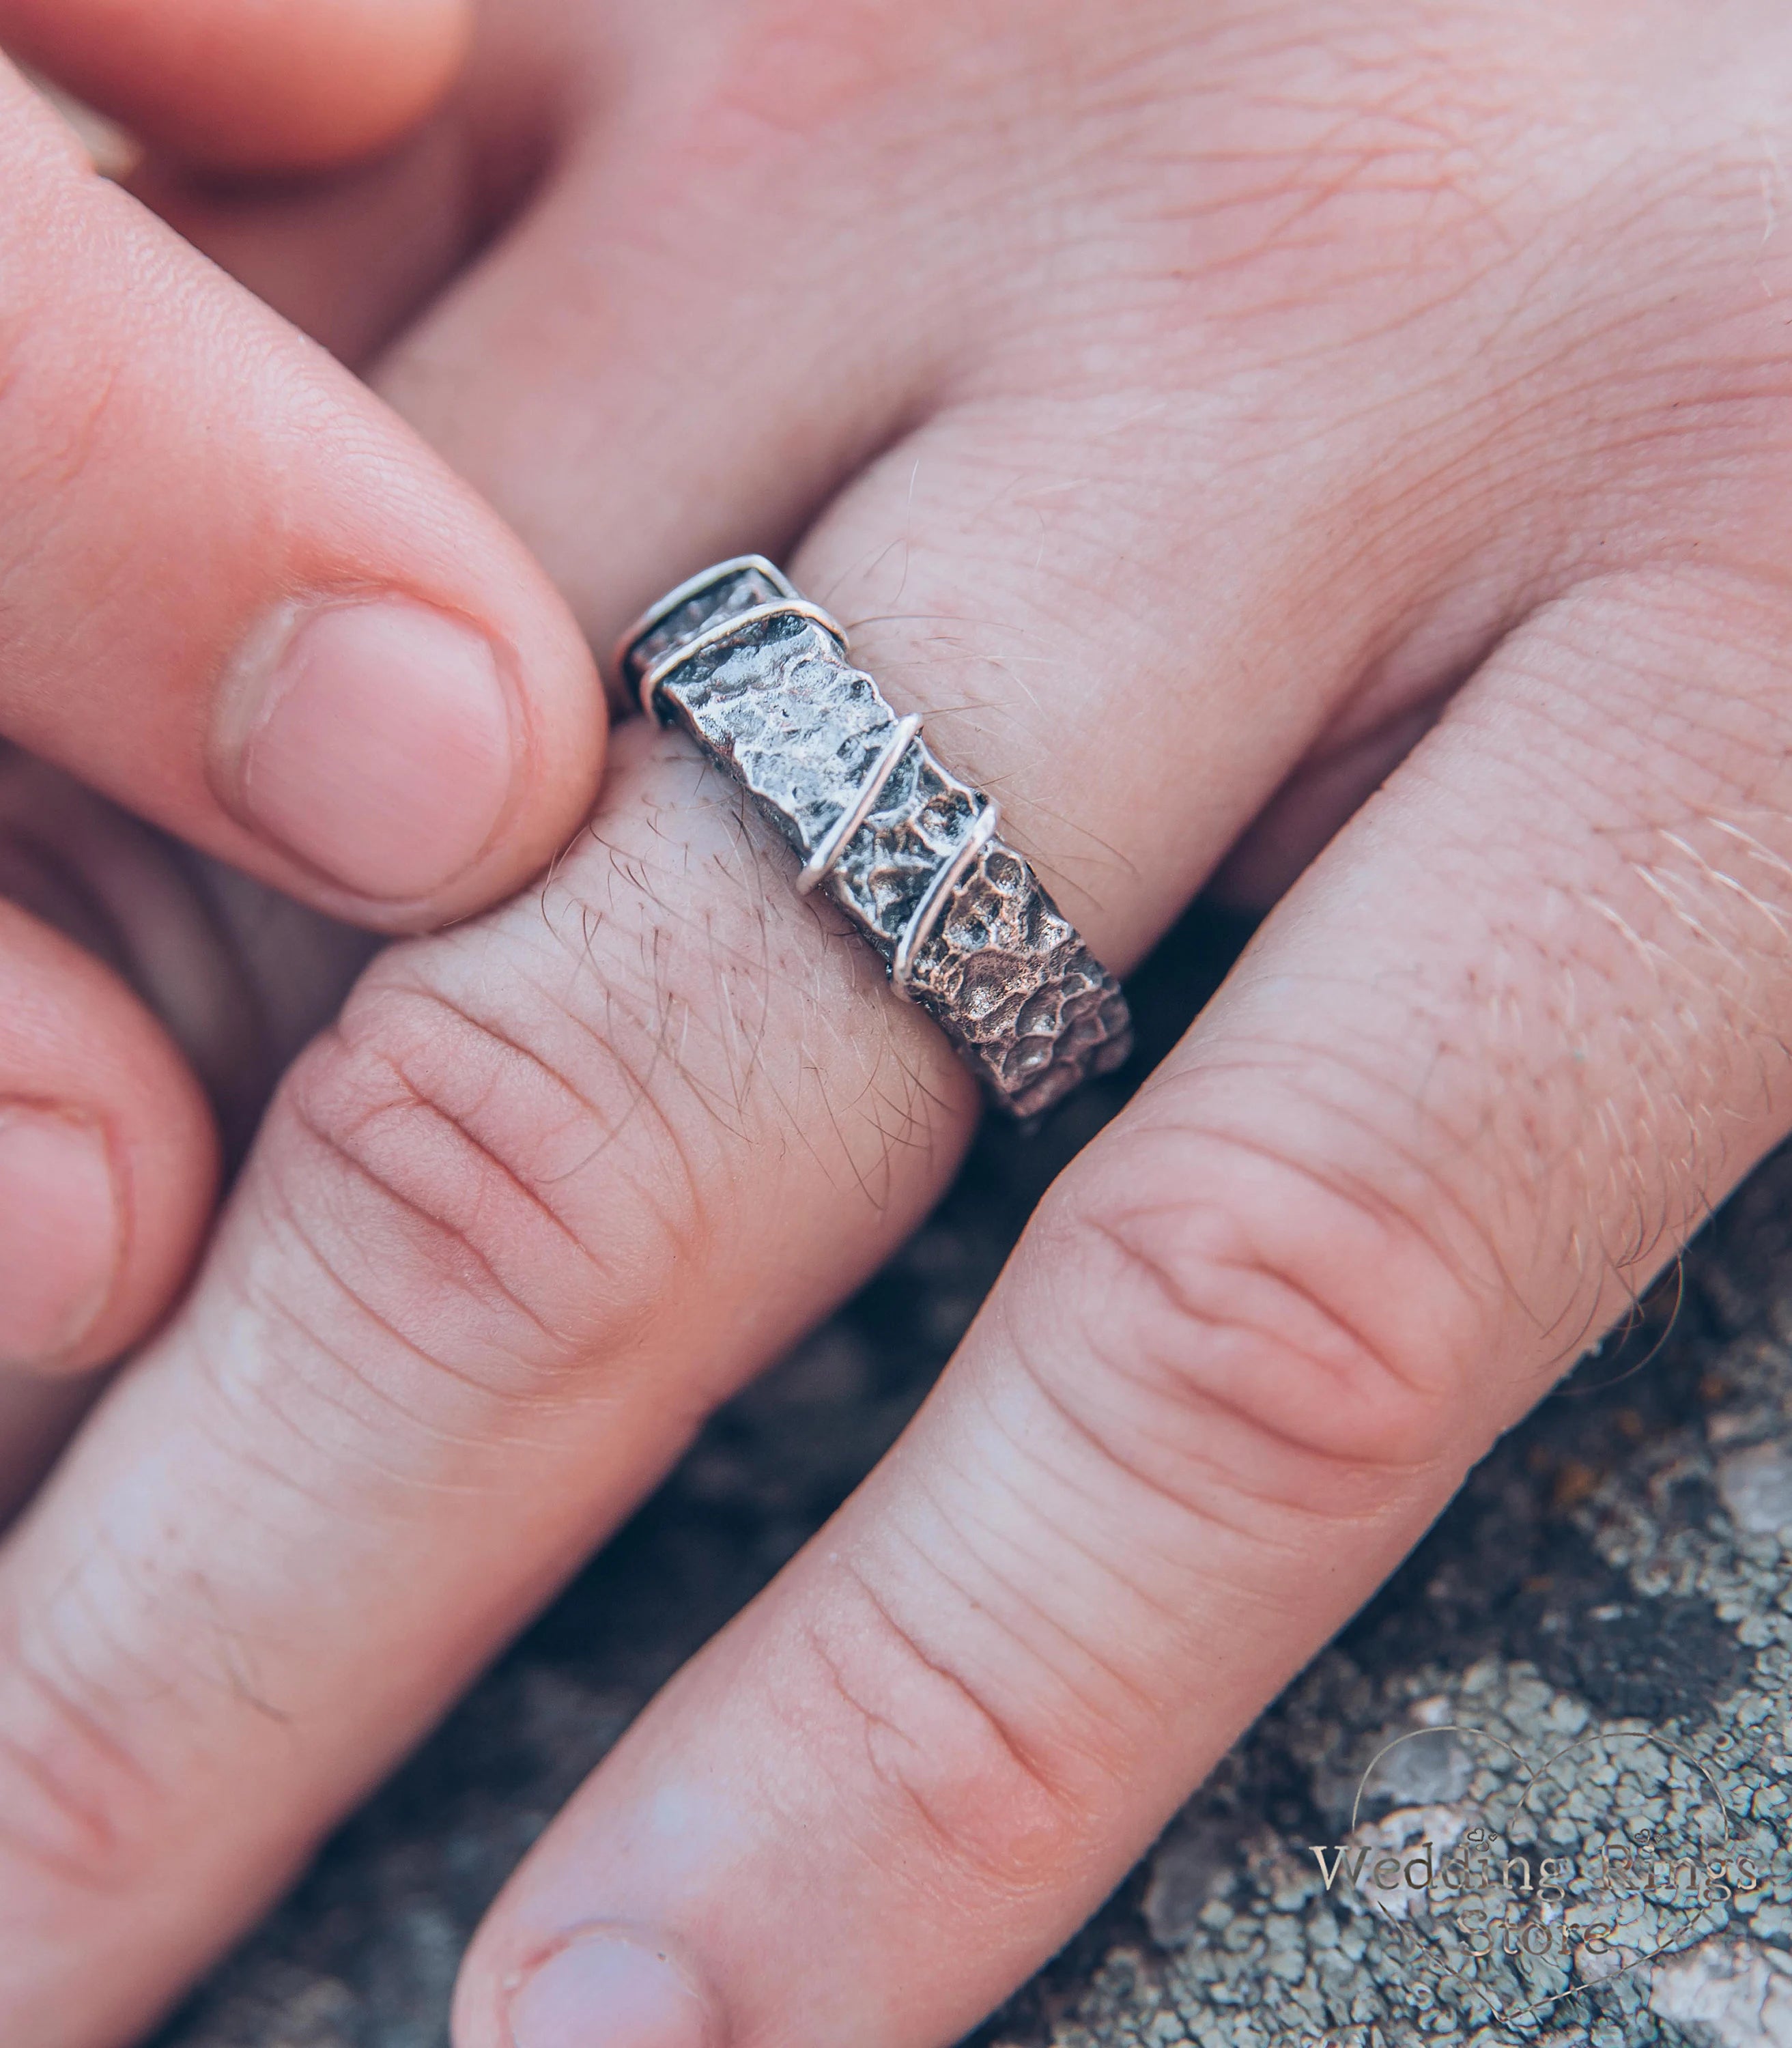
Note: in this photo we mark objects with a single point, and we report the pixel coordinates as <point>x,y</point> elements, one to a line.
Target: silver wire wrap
<point>760,678</point>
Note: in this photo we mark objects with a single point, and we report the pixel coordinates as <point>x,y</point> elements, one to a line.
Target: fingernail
<point>61,1233</point>
<point>609,1991</point>
<point>373,740</point>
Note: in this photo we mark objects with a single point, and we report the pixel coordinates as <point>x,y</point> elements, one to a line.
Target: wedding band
<point>759,677</point>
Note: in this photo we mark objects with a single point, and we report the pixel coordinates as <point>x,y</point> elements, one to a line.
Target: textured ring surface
<point>761,680</point>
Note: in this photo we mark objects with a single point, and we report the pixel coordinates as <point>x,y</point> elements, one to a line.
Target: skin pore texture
<point>1338,454</point>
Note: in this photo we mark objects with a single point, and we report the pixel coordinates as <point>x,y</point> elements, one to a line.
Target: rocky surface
<point>1587,1661</point>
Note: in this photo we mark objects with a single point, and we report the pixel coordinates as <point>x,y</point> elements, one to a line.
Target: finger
<point>1471,1087</point>
<point>623,346</point>
<point>185,975</point>
<point>447,1297</point>
<point>454,1327</point>
<point>346,259</point>
<point>280,86</point>
<point>107,1159</point>
<point>238,977</point>
<point>323,660</point>
<point>349,257</point>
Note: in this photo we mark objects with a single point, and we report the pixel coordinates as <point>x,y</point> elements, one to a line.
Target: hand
<point>240,599</point>
<point>1342,452</point>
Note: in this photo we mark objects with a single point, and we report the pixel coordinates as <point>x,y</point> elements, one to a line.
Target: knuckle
<point>484,1189</point>
<point>1254,1320</point>
<point>940,1763</point>
<point>79,1810</point>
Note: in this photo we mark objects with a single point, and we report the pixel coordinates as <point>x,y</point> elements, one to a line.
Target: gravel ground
<point>1587,1661</point>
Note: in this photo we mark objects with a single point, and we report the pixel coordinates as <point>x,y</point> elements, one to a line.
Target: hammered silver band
<point>760,678</point>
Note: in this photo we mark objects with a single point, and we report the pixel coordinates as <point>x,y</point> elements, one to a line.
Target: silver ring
<point>759,677</point>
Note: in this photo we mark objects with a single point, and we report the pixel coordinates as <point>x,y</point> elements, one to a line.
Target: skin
<point>137,376</point>
<point>1337,455</point>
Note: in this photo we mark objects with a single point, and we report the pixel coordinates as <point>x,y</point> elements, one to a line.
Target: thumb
<point>273,85</point>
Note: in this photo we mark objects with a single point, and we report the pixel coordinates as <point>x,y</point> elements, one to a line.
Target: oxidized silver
<point>760,678</point>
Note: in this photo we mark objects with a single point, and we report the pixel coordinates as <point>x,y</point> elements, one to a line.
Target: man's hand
<point>1344,450</point>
